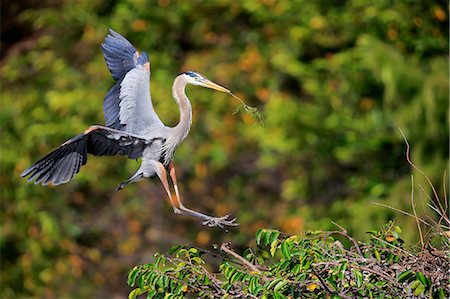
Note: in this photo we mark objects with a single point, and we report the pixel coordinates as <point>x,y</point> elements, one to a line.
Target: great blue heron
<point>132,128</point>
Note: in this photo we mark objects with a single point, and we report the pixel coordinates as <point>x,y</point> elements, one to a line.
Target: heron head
<point>200,80</point>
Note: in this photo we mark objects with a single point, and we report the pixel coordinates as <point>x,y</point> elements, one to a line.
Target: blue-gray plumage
<point>133,128</point>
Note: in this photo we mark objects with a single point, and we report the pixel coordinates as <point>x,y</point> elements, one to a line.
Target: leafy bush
<point>313,265</point>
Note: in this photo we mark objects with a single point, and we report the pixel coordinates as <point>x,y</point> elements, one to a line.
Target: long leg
<point>135,178</point>
<point>162,175</point>
<point>209,220</point>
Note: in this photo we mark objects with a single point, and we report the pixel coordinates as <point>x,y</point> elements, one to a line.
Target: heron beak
<point>215,86</point>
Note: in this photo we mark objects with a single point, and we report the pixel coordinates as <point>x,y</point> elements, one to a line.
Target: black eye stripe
<point>191,74</point>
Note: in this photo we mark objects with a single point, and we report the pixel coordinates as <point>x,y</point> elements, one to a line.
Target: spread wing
<point>128,105</point>
<point>60,165</point>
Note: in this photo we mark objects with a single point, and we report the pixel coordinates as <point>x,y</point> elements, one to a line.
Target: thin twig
<point>345,234</point>
<point>227,250</point>
<point>414,211</point>
<point>442,214</point>
<point>400,211</point>
<point>420,170</point>
<point>393,246</point>
<point>445,191</point>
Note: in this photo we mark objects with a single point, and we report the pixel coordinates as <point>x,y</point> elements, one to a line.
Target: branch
<point>228,251</point>
<point>421,171</point>
<point>344,233</point>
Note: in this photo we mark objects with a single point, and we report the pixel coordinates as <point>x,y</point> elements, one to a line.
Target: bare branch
<point>345,234</point>
<point>400,211</point>
<point>228,251</point>
<point>420,170</point>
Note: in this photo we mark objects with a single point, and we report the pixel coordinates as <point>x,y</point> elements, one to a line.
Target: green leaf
<point>252,111</point>
<point>377,255</point>
<point>174,249</point>
<point>415,284</point>
<point>359,277</point>
<point>170,296</point>
<point>273,283</point>
<point>134,293</point>
<point>285,249</point>
<point>421,278</point>
<point>342,270</point>
<point>440,293</point>
<point>193,250</point>
<point>419,290</point>
<point>280,285</point>
<point>278,295</point>
<point>151,294</point>
<point>198,260</point>
<point>253,283</point>
<point>405,276</point>
<point>234,277</point>
<point>132,275</point>
<point>258,236</point>
<point>165,282</point>
<point>182,251</point>
<point>274,236</point>
<point>141,281</point>
<point>273,247</point>
<point>229,272</point>
<point>266,237</point>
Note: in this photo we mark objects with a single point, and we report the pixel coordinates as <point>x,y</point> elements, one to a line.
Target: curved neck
<point>179,94</point>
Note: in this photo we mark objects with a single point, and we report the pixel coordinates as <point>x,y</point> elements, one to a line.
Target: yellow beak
<point>215,86</point>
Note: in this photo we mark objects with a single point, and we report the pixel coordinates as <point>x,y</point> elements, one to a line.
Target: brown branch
<point>420,170</point>
<point>228,251</point>
<point>345,234</point>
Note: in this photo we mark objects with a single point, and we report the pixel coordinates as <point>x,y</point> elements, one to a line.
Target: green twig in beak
<point>252,111</point>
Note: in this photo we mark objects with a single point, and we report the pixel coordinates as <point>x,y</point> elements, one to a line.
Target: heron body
<point>132,128</point>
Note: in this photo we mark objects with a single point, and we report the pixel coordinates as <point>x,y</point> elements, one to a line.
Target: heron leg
<point>162,175</point>
<point>208,220</point>
<point>136,177</point>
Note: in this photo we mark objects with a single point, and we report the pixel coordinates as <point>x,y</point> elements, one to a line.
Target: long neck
<point>178,90</point>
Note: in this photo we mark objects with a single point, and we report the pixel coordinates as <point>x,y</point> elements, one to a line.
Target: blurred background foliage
<point>334,78</point>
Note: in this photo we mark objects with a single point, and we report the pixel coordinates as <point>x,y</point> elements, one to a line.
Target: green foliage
<point>313,265</point>
<point>333,79</point>
<point>252,111</point>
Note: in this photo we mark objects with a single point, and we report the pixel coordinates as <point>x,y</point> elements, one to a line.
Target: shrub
<point>311,265</point>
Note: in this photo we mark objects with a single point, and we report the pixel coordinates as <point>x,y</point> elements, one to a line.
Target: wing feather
<point>111,107</point>
<point>120,55</point>
<point>127,105</point>
<point>136,111</point>
<point>60,165</point>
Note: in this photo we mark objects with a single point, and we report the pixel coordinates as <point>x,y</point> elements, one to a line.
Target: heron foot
<point>121,186</point>
<point>221,222</point>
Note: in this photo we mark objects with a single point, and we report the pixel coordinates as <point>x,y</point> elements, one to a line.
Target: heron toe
<point>221,222</point>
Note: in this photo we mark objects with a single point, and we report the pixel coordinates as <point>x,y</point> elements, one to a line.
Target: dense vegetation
<point>312,265</point>
<point>334,79</point>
